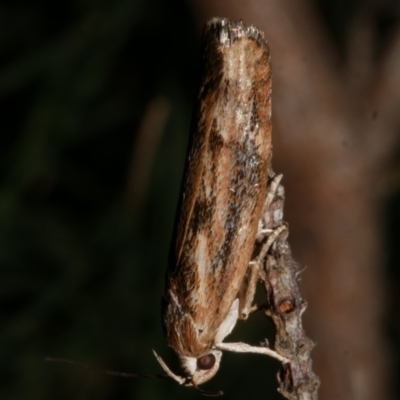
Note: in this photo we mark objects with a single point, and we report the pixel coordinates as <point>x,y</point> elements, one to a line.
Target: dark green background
<point>82,272</point>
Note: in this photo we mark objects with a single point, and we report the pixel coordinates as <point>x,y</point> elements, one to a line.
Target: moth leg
<point>265,220</point>
<point>271,239</point>
<point>248,290</point>
<point>253,275</point>
<point>271,191</point>
<point>268,236</point>
<point>240,347</point>
<point>180,379</point>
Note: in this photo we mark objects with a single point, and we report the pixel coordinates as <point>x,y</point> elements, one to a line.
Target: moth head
<point>201,369</point>
<point>197,370</point>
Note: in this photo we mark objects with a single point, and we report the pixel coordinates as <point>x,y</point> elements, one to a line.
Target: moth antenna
<point>105,371</point>
<point>180,379</point>
<point>208,393</point>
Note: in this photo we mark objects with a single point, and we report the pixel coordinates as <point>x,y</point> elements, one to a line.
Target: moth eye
<point>206,362</point>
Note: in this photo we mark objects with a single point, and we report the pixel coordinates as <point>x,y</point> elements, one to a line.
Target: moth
<point>211,276</point>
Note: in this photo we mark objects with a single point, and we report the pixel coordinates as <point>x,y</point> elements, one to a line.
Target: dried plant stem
<point>297,379</point>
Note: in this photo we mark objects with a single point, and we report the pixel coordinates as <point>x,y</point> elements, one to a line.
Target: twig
<point>297,379</point>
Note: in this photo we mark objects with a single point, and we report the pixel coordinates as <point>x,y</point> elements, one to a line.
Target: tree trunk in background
<point>334,132</point>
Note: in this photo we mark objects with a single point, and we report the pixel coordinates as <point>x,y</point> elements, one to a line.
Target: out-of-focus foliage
<point>81,271</point>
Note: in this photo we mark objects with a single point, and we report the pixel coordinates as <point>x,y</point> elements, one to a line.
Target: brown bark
<point>297,380</point>
<point>334,129</point>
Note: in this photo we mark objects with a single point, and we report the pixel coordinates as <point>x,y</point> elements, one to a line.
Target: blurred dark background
<point>87,203</point>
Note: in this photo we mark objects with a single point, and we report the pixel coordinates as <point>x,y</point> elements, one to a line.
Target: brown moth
<point>211,276</point>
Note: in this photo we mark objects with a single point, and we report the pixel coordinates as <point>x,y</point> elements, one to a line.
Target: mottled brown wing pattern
<point>223,189</point>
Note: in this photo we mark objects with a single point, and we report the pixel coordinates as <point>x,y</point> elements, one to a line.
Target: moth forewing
<point>223,193</point>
